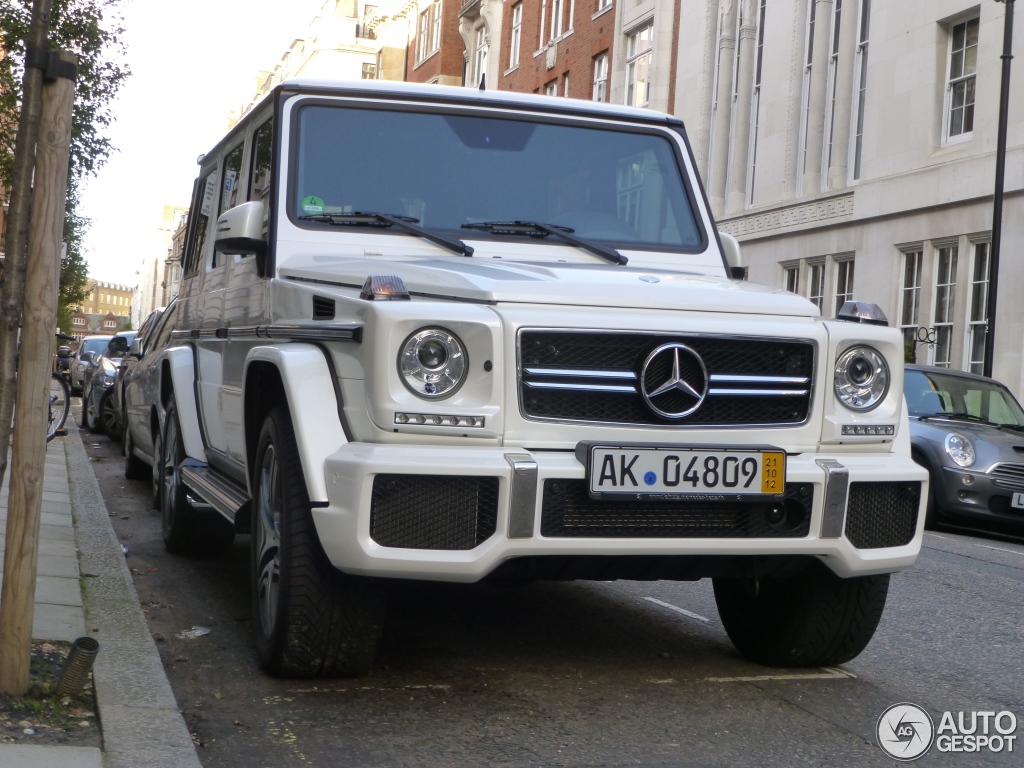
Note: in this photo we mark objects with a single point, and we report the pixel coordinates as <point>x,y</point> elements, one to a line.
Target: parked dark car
<point>968,431</point>
<point>87,350</point>
<point>98,414</point>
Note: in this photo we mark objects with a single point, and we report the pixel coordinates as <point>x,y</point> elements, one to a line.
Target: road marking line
<point>677,609</point>
<point>1000,549</point>
<point>976,544</point>
<point>827,673</point>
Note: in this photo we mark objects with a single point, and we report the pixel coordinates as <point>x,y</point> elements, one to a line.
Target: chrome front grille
<point>598,376</point>
<point>1008,476</point>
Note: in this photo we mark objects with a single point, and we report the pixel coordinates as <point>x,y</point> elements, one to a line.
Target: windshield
<point>445,170</point>
<point>931,394</point>
<point>95,344</point>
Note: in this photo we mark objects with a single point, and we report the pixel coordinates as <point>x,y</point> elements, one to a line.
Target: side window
<point>261,167</point>
<point>232,169</point>
<point>164,332</point>
<point>202,207</point>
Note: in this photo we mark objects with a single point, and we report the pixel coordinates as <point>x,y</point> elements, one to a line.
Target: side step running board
<point>225,495</point>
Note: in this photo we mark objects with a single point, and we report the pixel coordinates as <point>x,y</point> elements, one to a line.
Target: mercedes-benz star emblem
<point>673,381</point>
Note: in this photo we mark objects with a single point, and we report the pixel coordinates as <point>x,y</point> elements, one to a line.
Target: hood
<point>581,284</point>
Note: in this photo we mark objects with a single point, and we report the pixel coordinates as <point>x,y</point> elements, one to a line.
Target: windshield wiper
<point>957,415</point>
<point>535,229</point>
<point>1014,427</point>
<point>405,223</point>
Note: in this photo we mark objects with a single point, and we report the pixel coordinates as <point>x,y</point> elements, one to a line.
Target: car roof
<point>951,372</point>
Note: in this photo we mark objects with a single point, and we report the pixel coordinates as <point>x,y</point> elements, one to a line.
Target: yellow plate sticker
<point>773,472</point>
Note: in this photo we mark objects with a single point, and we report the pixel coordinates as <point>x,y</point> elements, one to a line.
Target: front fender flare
<point>312,403</point>
<point>182,366</point>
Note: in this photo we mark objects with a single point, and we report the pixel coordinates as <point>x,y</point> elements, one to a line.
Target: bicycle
<point>60,405</point>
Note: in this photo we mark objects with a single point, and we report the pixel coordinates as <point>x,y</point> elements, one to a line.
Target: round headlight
<point>960,449</point>
<point>432,363</point>
<point>861,378</point>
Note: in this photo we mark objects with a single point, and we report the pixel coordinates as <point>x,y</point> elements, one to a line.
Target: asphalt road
<point>574,674</point>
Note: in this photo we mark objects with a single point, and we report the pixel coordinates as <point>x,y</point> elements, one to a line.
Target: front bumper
<point>344,524</point>
<point>980,500</point>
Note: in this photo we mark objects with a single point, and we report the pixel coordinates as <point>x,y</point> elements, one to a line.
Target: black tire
<point>91,414</point>
<point>134,467</point>
<point>108,416</point>
<point>309,619</point>
<point>811,619</point>
<point>156,471</point>
<point>84,422</point>
<point>60,404</point>
<point>185,531</point>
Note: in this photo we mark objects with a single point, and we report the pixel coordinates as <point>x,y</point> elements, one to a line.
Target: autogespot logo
<point>905,731</point>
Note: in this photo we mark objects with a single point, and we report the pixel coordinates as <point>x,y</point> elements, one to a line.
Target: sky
<point>192,62</point>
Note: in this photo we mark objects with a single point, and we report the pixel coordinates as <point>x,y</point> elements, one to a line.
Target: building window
<point>480,55</point>
<point>844,283</point>
<point>78,321</point>
<point>565,85</point>
<point>978,325</point>
<point>602,4</point>
<point>945,300</point>
<point>369,71</point>
<point>816,284</point>
<point>911,300</point>
<point>833,72</point>
<point>862,80</point>
<point>963,65</point>
<point>755,111</point>
<point>517,34</point>
<point>428,39</point>
<point>600,91</point>
<point>556,19</point>
<point>791,278</point>
<point>639,57</point>
<point>806,95</point>
<point>551,89</point>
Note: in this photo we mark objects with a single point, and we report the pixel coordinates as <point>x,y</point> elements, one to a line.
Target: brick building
<point>557,47</point>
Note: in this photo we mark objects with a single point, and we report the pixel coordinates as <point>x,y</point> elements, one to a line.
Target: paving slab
<point>57,622</point>
<point>65,548</point>
<point>31,756</point>
<point>51,564</point>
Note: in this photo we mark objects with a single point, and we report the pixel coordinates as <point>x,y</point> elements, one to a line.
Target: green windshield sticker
<point>312,205</point>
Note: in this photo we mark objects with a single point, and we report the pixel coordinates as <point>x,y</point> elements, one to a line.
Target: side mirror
<point>86,357</point>
<point>731,247</point>
<point>135,350</point>
<point>240,230</point>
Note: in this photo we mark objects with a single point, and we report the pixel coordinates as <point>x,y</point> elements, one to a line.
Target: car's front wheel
<point>810,619</point>
<point>310,620</point>
<point>108,416</point>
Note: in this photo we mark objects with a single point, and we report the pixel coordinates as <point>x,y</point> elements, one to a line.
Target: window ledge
<point>510,70</point>
<point>952,141</point>
<point>425,59</point>
<point>603,11</point>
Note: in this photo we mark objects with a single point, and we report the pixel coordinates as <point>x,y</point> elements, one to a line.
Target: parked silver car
<point>968,431</point>
<point>87,350</point>
<point>143,409</point>
<point>98,413</point>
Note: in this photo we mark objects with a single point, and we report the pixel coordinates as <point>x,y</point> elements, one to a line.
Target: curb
<point>139,718</point>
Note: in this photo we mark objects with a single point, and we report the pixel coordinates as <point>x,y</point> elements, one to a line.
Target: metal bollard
<point>76,669</point>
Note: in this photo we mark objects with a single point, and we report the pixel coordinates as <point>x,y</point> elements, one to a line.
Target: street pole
<point>24,506</point>
<point>997,202</point>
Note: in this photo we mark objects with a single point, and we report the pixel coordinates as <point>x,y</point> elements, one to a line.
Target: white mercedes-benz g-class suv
<point>449,334</point>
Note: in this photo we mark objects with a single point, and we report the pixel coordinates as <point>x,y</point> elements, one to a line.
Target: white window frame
<point>805,95</point>
<point>910,294</point>
<point>482,46</point>
<point>551,88</point>
<point>951,82</point>
<point>637,58</point>
<point>565,85</point>
<point>977,300</point>
<point>603,5</point>
<point>843,281</point>
<point>600,89</point>
<point>517,35</point>
<point>428,35</point>
<point>944,319</point>
<point>816,283</point>
<point>755,106</point>
<point>557,13</point>
<point>791,277</point>
<point>835,30</point>
<point>860,77</point>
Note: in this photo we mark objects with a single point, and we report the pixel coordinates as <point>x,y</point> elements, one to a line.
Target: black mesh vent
<point>433,511</point>
<point>323,308</point>
<point>626,353</point>
<point>882,514</point>
<point>569,511</point>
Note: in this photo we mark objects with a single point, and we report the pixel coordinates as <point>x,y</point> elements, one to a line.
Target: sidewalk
<point>83,581</point>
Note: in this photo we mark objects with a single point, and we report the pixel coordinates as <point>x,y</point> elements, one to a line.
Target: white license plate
<point>1017,502</point>
<point>671,471</point>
